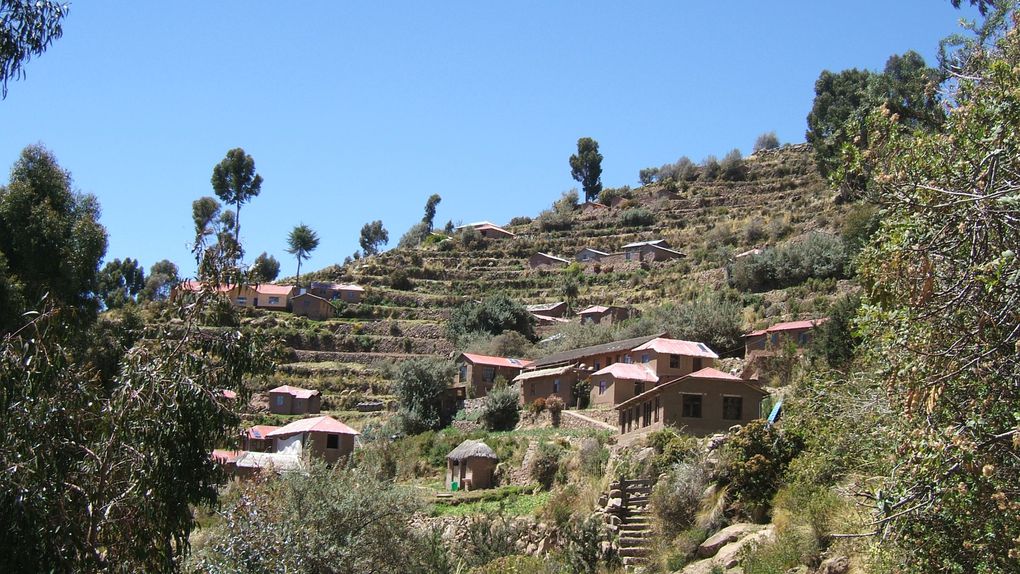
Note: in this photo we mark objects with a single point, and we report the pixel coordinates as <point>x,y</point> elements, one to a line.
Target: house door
<point>256,301</point>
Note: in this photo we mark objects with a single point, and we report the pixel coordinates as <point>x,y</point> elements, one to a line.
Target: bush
<point>592,457</point>
<point>487,538</point>
<point>767,140</point>
<point>834,340</point>
<point>472,239</point>
<point>757,457</point>
<point>582,545</point>
<point>636,217</point>
<point>682,170</point>
<point>493,315</point>
<point>732,167</point>
<point>554,221</point>
<point>546,464</point>
<point>414,236</point>
<point>672,448</point>
<point>537,406</point>
<point>400,280</point>
<point>646,176</point>
<point>817,255</point>
<point>555,406</point>
<point>520,220</point>
<point>518,564</point>
<point>420,388</point>
<point>710,168</point>
<point>500,410</point>
<point>676,499</point>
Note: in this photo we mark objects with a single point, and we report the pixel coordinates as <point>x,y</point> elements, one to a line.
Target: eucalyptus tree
<point>301,241</point>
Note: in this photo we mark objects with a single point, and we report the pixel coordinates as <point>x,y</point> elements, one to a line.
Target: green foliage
<point>472,239</point>
<point>859,225</point>
<point>592,457</point>
<point>672,448</point>
<point>765,141</point>
<point>647,176</point>
<point>757,458</point>
<point>400,279</point>
<point>710,168</point>
<point>582,545</point>
<point>162,278</point>
<point>339,520</point>
<point>235,182</point>
<point>834,341</point>
<point>636,217</point>
<point>373,234</point>
<point>713,318</point>
<point>732,166</point>
<point>586,167</point>
<point>51,241</point>
<point>487,538</point>
<point>420,387</point>
<point>28,28</point>
<point>430,210</point>
<point>817,255</point>
<point>567,203</point>
<point>493,315</point>
<point>301,241</point>
<point>552,220</point>
<point>500,408</point>
<point>119,282</point>
<point>517,564</point>
<point>676,497</point>
<point>681,170</point>
<point>264,269</point>
<point>546,464</point>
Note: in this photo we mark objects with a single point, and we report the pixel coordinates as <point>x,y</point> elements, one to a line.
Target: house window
<point>279,400</point>
<point>274,300</point>
<point>463,373</point>
<point>674,361</point>
<point>638,388</point>
<point>242,301</point>
<point>556,385</point>
<point>627,256</point>
<point>597,365</point>
<point>696,364</point>
<point>732,408</point>
<point>489,374</point>
<point>532,387</point>
<point>692,406</point>
<point>333,441</point>
<point>647,418</point>
<point>602,387</point>
<point>627,359</point>
<point>656,413</point>
<point>351,296</point>
<point>802,339</point>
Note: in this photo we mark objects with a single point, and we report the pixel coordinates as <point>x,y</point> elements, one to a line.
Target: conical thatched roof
<point>472,448</point>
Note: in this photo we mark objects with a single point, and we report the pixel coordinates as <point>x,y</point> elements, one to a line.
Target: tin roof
<point>260,432</point>
<point>314,424</point>
<point>665,346</point>
<point>788,326</point>
<point>706,374</point>
<point>296,392</point>
<point>551,372</point>
<point>268,289</point>
<point>496,361</point>
<point>574,355</point>
<point>629,372</point>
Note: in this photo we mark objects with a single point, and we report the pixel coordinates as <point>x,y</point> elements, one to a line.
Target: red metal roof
<point>296,392</point>
<point>665,346</point>
<point>260,431</point>
<point>788,326</point>
<point>628,371</point>
<point>708,373</point>
<point>714,374</point>
<point>322,424</point>
<point>267,289</point>
<point>496,361</point>
<point>595,309</point>
<point>223,456</point>
<point>228,394</point>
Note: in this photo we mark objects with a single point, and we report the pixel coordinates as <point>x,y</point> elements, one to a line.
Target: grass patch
<point>509,501</point>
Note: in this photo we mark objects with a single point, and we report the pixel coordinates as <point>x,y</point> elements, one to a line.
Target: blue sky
<point>360,111</point>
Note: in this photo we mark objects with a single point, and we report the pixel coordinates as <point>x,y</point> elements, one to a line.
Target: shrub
<point>834,340</point>
<point>472,239</point>
<point>414,236</point>
<point>672,448</point>
<point>817,255</point>
<point>520,220</point>
<point>420,387</point>
<point>554,221</point>
<point>500,410</point>
<point>592,457</point>
<point>493,315</point>
<point>517,564</point>
<point>567,203</point>
<point>400,280</point>
<point>537,406</point>
<point>582,545</point>
<point>546,464</point>
<point>710,168</point>
<point>732,167</point>
<point>636,217</point>
<point>675,500</point>
<point>555,406</point>
<point>487,538</point>
<point>757,457</point>
<point>646,176</point>
<point>767,140</point>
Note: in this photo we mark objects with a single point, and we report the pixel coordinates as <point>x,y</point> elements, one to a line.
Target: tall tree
<point>586,167</point>
<point>51,241</point>
<point>373,235</point>
<point>265,268</point>
<point>301,242</point>
<point>120,281</point>
<point>27,28</point>
<point>430,210</point>
<point>162,277</point>
<point>235,182</point>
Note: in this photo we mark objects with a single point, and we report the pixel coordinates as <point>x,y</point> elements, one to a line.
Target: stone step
<point>635,529</point>
<point>631,541</point>
<point>630,561</point>
<point>635,551</point>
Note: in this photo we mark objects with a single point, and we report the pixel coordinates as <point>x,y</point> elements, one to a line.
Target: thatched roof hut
<point>470,466</point>
<point>471,449</point>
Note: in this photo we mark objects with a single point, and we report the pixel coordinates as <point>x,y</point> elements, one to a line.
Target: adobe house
<point>288,400</point>
<point>275,297</point>
<point>481,371</point>
<point>620,381</point>
<point>262,296</point>
<point>557,309</point>
<point>779,335</point>
<point>672,358</point>
<point>594,356</point>
<point>321,437</point>
<point>700,403</point>
<point>656,250</point>
<point>346,292</point>
<point>546,320</point>
<point>470,466</point>
<point>256,438</point>
<point>312,306</point>
<point>540,259</point>
<point>599,314</point>
<point>488,230</point>
<point>588,254</point>
<point>543,383</point>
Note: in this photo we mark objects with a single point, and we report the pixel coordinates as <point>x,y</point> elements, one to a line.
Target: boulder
<point>729,555</point>
<point>834,565</point>
<point>731,533</point>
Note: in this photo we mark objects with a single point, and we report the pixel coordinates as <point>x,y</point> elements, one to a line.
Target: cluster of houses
<point>657,250</point>
<point>315,302</point>
<point>652,382</point>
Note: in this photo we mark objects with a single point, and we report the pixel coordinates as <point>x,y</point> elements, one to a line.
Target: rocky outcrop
<point>725,548</point>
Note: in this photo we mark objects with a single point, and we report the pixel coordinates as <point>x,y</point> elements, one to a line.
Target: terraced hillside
<point>781,197</point>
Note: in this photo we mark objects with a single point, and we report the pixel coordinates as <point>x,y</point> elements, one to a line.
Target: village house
<point>255,438</point>
<point>594,356</point>
<point>656,250</point>
<point>261,296</point>
<point>348,293</point>
<point>701,403</point>
<point>604,315</point>
<point>479,372</point>
<point>588,254</point>
<point>557,309</point>
<point>312,306</point>
<point>544,260</point>
<point>544,383</point>
<point>488,230</point>
<point>470,466</point>
<point>322,437</point>
<point>797,333</point>
<point>671,358</point>
<point>288,400</point>
<point>618,382</point>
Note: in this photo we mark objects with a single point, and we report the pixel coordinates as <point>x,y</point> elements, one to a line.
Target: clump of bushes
<point>546,464</point>
<point>554,404</point>
<point>636,217</point>
<point>757,457</point>
<point>400,280</point>
<point>817,255</point>
<point>500,410</point>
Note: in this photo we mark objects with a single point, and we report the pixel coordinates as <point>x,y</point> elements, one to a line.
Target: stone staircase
<point>627,513</point>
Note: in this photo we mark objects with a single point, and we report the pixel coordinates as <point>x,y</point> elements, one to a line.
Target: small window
<point>627,359</point>
<point>645,357</point>
<point>279,400</point>
<point>488,374</point>
<point>532,389</point>
<point>242,300</point>
<point>696,364</point>
<point>655,414</point>
<point>274,300</point>
<point>802,339</point>
<point>732,408</point>
<point>351,296</point>
<point>674,361</point>
<point>602,387</point>
<point>556,385</point>
<point>646,418</point>
<point>333,441</point>
<point>692,406</point>
<point>597,365</point>
<point>639,388</point>
<point>463,373</point>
